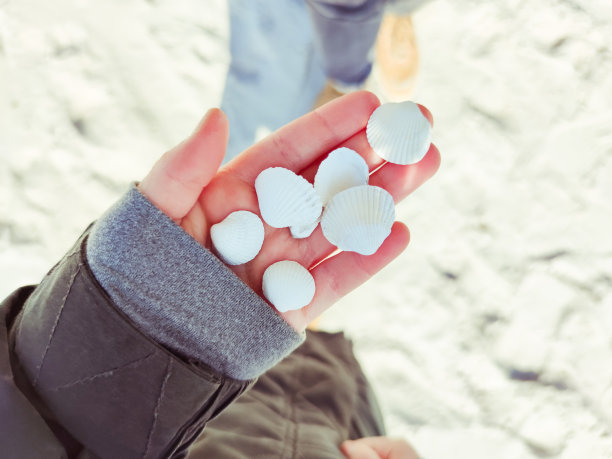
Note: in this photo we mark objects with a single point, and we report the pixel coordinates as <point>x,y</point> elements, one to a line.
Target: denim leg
<point>404,7</point>
<point>345,32</point>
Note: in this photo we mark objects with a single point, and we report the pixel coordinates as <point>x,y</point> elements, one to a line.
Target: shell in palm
<point>288,285</point>
<point>343,168</point>
<point>238,238</point>
<point>286,199</point>
<point>304,231</point>
<point>399,132</point>
<point>359,219</point>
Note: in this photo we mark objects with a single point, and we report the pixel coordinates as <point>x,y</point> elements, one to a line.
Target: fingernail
<point>203,120</point>
<point>348,446</point>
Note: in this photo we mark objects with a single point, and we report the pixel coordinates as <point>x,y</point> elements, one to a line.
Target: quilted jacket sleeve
<point>113,389</point>
<point>103,383</point>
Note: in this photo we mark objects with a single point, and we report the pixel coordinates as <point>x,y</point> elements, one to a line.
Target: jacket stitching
<point>157,404</point>
<point>104,373</point>
<point>294,414</point>
<point>42,283</point>
<point>294,422</point>
<point>57,318</point>
<point>287,431</point>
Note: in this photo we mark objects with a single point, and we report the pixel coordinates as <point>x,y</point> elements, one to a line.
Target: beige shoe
<point>314,325</point>
<point>335,89</point>
<point>397,57</point>
<point>327,94</point>
<point>395,66</point>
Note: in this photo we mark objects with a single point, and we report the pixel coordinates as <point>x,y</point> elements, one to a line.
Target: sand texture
<point>491,336</point>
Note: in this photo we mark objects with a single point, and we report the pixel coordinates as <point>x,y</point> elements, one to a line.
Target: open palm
<point>188,186</point>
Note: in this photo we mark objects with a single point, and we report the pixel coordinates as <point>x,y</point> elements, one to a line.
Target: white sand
<point>491,337</point>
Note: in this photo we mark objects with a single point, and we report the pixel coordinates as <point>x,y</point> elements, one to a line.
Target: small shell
<point>286,199</point>
<point>304,231</point>
<point>359,219</point>
<point>288,285</point>
<point>399,132</point>
<point>238,238</point>
<point>343,168</point>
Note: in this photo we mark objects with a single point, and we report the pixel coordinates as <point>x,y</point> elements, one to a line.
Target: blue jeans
<point>345,32</point>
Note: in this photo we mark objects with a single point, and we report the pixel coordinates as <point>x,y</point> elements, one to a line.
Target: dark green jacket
<point>79,379</point>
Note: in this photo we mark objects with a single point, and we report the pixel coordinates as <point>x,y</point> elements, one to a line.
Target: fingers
<point>301,142</point>
<point>398,180</point>
<point>360,144</point>
<point>176,180</point>
<point>337,276</point>
<point>427,114</point>
<point>381,447</point>
<point>356,450</point>
<point>401,180</point>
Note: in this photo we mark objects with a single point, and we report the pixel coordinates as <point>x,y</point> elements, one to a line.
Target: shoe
<point>396,64</point>
<point>396,57</point>
<point>314,325</point>
<point>335,88</point>
<point>327,94</point>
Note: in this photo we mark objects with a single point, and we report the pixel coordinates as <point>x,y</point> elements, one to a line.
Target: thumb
<point>357,450</point>
<point>378,447</point>
<point>178,177</point>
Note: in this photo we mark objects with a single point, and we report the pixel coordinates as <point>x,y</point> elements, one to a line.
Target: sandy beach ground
<point>491,336</point>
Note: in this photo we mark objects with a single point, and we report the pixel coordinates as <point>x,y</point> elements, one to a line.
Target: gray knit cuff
<point>182,295</point>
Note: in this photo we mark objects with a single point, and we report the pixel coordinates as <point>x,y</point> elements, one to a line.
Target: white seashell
<point>286,199</point>
<point>399,132</point>
<point>343,168</point>
<point>288,285</point>
<point>359,219</point>
<point>238,238</point>
<point>304,231</point>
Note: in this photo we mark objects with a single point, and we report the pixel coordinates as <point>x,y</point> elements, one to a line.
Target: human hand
<point>378,448</point>
<point>188,186</point>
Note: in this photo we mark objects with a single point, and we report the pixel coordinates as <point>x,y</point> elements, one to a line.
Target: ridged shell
<point>286,199</point>
<point>238,238</point>
<point>359,219</point>
<point>399,132</point>
<point>304,231</point>
<point>343,168</point>
<point>288,285</point>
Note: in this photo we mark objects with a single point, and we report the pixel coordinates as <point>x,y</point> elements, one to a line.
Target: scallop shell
<point>286,199</point>
<point>288,285</point>
<point>343,168</point>
<point>304,231</point>
<point>238,238</point>
<point>359,219</point>
<point>399,132</point>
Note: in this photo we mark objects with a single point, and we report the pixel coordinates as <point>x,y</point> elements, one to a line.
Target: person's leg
<point>397,56</point>
<point>404,7</point>
<point>345,32</point>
